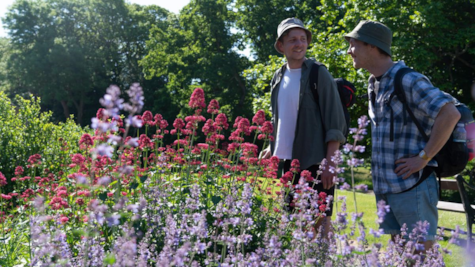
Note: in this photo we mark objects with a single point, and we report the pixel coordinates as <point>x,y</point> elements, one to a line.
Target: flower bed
<point>136,201</point>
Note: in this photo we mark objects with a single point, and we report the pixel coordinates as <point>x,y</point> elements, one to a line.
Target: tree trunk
<point>243,89</point>
<point>65,109</point>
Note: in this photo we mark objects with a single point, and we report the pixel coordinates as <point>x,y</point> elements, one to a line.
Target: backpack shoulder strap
<point>313,79</point>
<point>400,93</point>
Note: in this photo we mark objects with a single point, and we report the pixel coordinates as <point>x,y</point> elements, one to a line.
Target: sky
<point>171,5</point>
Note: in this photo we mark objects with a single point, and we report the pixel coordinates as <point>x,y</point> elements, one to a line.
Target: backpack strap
<point>313,83</point>
<point>313,80</point>
<point>400,93</point>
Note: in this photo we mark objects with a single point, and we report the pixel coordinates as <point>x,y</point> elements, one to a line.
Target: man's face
<point>294,45</point>
<point>360,53</point>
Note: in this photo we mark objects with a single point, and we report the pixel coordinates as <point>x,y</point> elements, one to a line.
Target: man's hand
<point>265,154</point>
<point>409,166</point>
<point>327,177</point>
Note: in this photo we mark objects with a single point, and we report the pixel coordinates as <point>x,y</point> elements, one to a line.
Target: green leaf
<point>109,259</point>
<point>216,199</point>
<point>103,196</point>
<point>143,178</point>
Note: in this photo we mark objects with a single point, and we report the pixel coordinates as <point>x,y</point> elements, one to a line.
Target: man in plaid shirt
<point>401,153</point>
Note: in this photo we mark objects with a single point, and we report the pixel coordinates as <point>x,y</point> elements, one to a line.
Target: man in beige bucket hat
<point>305,129</point>
<point>400,153</point>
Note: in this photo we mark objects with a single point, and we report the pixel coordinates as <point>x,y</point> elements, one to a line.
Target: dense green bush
<point>25,131</point>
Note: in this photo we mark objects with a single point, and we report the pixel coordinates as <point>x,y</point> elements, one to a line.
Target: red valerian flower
<point>34,159</point>
<point>209,128</point>
<point>221,121</point>
<point>100,114</point>
<point>307,175</point>
<point>197,99</point>
<point>58,203</point>
<point>178,123</point>
<point>236,121</point>
<point>3,179</point>
<point>147,118</point>
<point>6,197</point>
<point>295,166</point>
<point>259,118</point>
<point>19,170</point>
<point>78,159</point>
<point>322,207</point>
<point>243,125</point>
<point>267,128</point>
<point>86,139</point>
<point>63,219</point>
<point>144,142</point>
<point>213,107</point>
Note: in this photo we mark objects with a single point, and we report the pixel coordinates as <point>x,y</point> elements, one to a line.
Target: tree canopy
<point>68,51</point>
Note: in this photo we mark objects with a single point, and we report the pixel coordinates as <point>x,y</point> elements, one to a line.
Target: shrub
<point>26,131</point>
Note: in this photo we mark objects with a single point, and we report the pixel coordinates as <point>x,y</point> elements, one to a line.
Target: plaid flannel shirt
<point>425,101</point>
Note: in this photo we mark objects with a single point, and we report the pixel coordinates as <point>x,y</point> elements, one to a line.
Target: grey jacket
<point>316,124</point>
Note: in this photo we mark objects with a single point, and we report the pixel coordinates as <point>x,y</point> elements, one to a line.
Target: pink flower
<point>3,179</point>
<point>86,139</point>
<point>221,122</point>
<point>147,118</point>
<point>80,201</point>
<point>307,175</point>
<point>209,128</point>
<point>58,203</point>
<point>64,219</point>
<point>145,142</point>
<point>213,107</point>
<point>236,121</point>
<point>243,125</point>
<point>100,114</point>
<point>267,128</point>
<point>295,165</point>
<point>178,124</point>
<point>78,159</point>
<point>259,118</point>
<point>34,159</point>
<point>163,124</point>
<point>19,170</point>
<point>197,99</point>
<point>6,197</point>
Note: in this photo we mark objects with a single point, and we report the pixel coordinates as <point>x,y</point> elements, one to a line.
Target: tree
<point>69,51</point>
<point>198,49</point>
<point>258,20</point>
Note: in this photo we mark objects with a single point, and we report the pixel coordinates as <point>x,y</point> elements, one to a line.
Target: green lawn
<point>366,203</point>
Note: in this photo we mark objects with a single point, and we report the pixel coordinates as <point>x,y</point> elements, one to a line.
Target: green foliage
<point>68,51</point>
<point>25,131</point>
<point>434,37</point>
<point>197,49</point>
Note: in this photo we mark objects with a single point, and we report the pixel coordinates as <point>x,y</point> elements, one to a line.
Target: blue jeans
<point>418,204</point>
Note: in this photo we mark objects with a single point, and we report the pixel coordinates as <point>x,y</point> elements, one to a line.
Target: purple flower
<point>113,220</point>
<point>382,210</point>
<point>134,121</point>
<point>104,150</point>
<point>135,98</point>
<point>105,181</point>
<point>345,186</point>
<point>114,139</point>
<point>133,142</point>
<point>362,187</point>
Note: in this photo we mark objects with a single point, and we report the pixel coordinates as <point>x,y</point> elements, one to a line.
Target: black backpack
<point>345,88</point>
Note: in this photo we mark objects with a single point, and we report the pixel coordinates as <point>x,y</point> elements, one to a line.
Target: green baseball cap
<point>290,23</point>
<point>374,33</point>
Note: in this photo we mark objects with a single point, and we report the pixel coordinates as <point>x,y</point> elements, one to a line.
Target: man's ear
<point>280,45</point>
